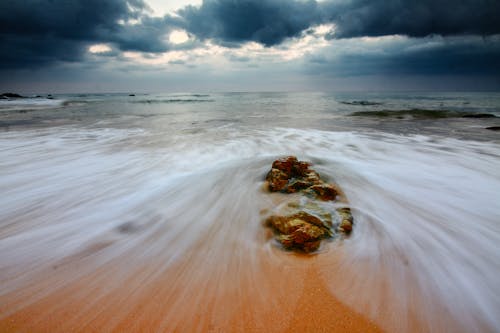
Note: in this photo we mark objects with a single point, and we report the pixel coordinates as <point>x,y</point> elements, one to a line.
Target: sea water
<point>146,178</point>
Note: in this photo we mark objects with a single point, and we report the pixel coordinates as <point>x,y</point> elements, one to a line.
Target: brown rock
<point>291,175</point>
<point>311,246</point>
<point>312,177</point>
<point>291,166</point>
<point>312,220</point>
<point>299,231</point>
<point>300,168</point>
<point>307,238</point>
<point>297,185</point>
<point>324,191</point>
<point>346,220</point>
<point>307,233</point>
<point>308,218</point>
<point>285,224</point>
<point>345,226</point>
<point>285,164</point>
<point>345,213</point>
<point>277,180</point>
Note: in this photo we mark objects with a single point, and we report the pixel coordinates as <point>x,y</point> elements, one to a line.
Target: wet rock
<point>346,220</point>
<point>277,180</point>
<point>305,222</point>
<point>345,213</point>
<point>284,225</point>
<point>296,185</point>
<point>409,114</point>
<point>300,169</point>
<point>292,167</point>
<point>345,226</point>
<point>287,224</point>
<point>291,175</point>
<point>307,238</point>
<point>479,115</point>
<point>10,95</point>
<point>362,103</point>
<point>299,231</point>
<point>324,191</point>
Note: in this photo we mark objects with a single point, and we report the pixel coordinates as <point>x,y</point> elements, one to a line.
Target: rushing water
<point>100,187</point>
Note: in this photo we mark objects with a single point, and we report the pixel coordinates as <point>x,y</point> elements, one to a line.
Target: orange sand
<point>286,294</point>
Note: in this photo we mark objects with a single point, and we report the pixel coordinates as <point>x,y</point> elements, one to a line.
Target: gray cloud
<point>40,32</point>
<point>421,18</point>
<point>267,22</point>
<point>237,58</point>
<point>72,19</point>
<point>29,51</point>
<point>465,55</point>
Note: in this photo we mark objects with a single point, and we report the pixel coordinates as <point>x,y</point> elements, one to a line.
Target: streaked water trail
<point>92,207</point>
<point>144,213</point>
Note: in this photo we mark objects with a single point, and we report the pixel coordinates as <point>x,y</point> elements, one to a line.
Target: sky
<point>70,46</point>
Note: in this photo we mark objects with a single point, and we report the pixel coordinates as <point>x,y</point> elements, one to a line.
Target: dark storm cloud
<point>39,32</point>
<point>423,56</point>
<point>414,18</point>
<point>270,22</point>
<point>72,19</point>
<point>267,22</point>
<point>475,57</point>
<point>34,51</point>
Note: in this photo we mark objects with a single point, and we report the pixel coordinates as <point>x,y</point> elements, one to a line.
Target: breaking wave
<point>29,104</point>
<point>172,100</point>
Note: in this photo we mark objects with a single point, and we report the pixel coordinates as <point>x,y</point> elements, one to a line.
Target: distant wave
<point>29,103</point>
<point>421,114</point>
<point>193,95</point>
<point>361,103</point>
<point>171,100</point>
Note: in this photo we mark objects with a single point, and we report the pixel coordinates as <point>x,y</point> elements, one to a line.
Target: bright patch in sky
<point>178,37</point>
<point>323,29</point>
<point>99,48</point>
<point>162,7</point>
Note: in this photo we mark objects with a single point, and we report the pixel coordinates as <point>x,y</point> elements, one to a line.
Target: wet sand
<point>285,294</point>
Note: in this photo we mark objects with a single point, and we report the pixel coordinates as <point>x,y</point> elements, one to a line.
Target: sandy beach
<point>288,294</point>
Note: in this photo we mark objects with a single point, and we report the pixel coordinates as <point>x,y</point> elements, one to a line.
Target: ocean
<point>106,197</point>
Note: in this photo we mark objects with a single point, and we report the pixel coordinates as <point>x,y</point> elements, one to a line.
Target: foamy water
<point>115,209</point>
<point>17,104</point>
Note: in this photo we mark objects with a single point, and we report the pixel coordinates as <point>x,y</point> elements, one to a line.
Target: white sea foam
<point>29,103</point>
<point>427,214</point>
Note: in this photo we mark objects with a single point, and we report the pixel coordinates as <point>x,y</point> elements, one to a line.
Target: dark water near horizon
<point>326,111</point>
<point>148,175</point>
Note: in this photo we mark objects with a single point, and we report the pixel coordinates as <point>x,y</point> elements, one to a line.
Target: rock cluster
<point>320,212</point>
